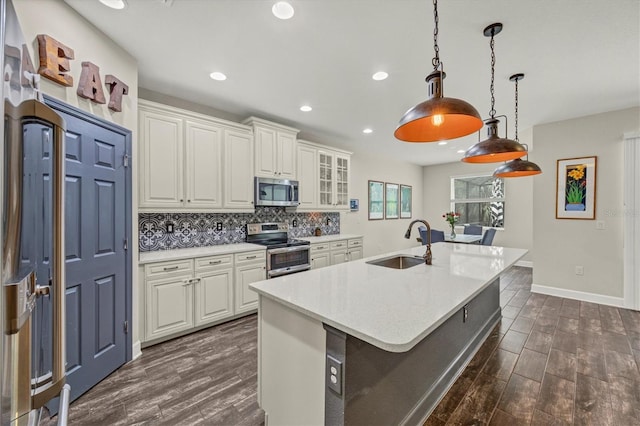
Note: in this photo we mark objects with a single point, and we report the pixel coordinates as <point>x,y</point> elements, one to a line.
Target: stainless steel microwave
<point>276,192</point>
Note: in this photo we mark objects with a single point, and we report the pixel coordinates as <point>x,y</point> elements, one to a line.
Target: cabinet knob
<point>181,200</point>
<point>188,201</point>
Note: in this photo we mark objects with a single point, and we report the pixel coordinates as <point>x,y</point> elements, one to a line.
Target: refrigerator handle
<point>43,394</point>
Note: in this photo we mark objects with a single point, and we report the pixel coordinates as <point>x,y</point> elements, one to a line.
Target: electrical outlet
<point>169,227</point>
<point>334,374</point>
<point>294,223</point>
<point>218,226</point>
<point>600,224</point>
<point>579,270</point>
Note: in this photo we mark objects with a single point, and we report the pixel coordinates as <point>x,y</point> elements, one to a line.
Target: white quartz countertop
<point>389,308</point>
<point>329,238</point>
<point>177,254</point>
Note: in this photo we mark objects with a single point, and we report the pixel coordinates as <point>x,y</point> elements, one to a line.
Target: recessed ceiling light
<point>461,151</point>
<point>114,4</point>
<point>282,10</point>
<point>305,108</point>
<point>218,76</point>
<point>367,131</point>
<point>380,75</point>
<point>442,143</point>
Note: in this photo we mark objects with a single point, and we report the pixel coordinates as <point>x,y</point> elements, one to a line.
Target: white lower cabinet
<point>320,255</point>
<point>187,294</point>
<point>336,252</point>
<point>169,305</point>
<point>355,249</point>
<point>250,267</point>
<point>213,290</point>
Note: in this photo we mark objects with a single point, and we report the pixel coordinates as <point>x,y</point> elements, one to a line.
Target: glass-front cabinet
<point>325,164</point>
<point>334,180</point>
<point>323,175</point>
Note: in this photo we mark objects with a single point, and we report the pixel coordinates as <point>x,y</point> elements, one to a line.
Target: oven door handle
<point>288,249</point>
<point>289,270</point>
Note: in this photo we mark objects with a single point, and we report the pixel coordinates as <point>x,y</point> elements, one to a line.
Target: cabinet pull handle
<point>321,248</point>
<point>181,200</point>
<point>251,257</point>
<point>172,268</point>
<point>215,262</point>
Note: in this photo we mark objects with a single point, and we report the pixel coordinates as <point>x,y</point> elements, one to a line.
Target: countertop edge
<point>189,253</point>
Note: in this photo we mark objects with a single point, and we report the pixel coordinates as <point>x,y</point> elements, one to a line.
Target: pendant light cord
<point>436,59</point>
<point>516,117</point>
<point>492,112</point>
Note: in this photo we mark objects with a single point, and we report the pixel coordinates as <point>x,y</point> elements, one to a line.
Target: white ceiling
<point>580,57</point>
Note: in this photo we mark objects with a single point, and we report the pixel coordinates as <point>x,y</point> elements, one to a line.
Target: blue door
<point>98,265</point>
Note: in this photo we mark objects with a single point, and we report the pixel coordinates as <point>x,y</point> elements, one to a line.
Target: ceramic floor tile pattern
<point>551,361</point>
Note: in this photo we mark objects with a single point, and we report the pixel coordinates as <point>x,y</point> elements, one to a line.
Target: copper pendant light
<point>494,149</point>
<point>517,167</point>
<point>438,118</point>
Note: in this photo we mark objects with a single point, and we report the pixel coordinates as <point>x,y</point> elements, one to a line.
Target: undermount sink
<point>398,261</point>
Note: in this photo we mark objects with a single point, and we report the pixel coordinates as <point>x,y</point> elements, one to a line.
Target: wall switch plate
<point>334,374</point>
<point>218,226</point>
<point>600,224</point>
<point>579,270</point>
<point>169,227</point>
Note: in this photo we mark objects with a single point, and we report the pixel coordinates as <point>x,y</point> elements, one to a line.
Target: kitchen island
<point>359,343</point>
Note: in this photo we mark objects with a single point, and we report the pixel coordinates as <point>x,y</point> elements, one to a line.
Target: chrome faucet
<point>427,256</point>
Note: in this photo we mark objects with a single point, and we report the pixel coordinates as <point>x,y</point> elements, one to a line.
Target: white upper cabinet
<point>204,165</point>
<point>323,176</point>
<point>238,155</point>
<point>307,177</point>
<point>275,149</point>
<point>161,160</point>
<point>192,162</point>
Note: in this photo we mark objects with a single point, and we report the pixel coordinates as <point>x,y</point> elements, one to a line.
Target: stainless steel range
<point>284,255</point>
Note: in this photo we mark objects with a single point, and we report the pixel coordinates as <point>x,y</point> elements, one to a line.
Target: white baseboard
<point>524,263</point>
<point>579,295</point>
<point>136,350</point>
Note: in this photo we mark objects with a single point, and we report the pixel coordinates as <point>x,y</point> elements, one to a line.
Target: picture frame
<point>391,200</point>
<point>576,188</point>
<point>376,200</point>
<point>405,201</point>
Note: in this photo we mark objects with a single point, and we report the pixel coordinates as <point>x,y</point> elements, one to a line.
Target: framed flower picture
<point>576,188</point>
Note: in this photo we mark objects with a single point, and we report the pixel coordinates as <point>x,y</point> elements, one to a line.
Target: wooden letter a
<point>90,86</point>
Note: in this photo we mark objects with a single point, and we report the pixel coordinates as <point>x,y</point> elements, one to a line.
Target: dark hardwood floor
<point>551,361</point>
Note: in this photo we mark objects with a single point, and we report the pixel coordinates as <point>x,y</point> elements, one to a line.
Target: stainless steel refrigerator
<point>32,296</point>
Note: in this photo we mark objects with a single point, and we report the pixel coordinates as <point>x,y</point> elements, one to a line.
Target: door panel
<point>96,221</point>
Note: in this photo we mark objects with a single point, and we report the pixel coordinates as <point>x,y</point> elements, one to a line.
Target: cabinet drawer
<point>154,270</point>
<point>251,256</point>
<point>209,262</point>
<point>355,242</point>
<point>337,245</point>
<point>320,247</point>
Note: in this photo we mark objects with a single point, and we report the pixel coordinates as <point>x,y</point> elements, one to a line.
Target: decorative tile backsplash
<point>200,229</point>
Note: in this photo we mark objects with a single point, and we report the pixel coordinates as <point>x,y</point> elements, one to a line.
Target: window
<point>479,200</point>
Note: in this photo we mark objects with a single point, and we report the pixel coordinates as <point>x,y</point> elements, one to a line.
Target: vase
<point>453,233</point>
<point>576,207</point>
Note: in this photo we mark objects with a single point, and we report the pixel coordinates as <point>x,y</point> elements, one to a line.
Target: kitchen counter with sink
<point>377,340</point>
